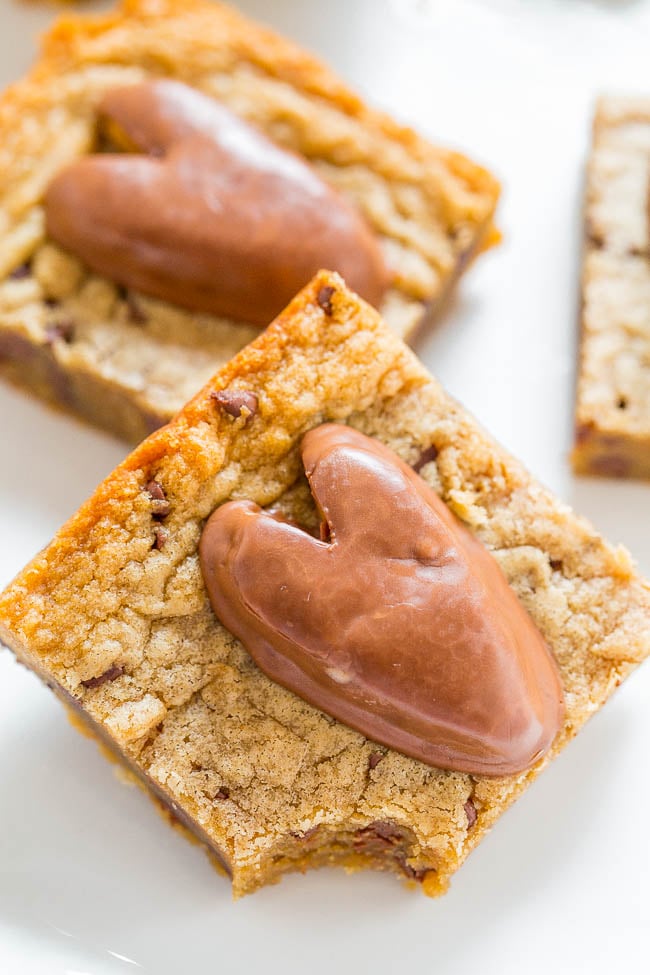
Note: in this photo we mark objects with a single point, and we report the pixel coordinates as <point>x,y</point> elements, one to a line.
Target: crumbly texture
<point>121,626</point>
<point>430,208</point>
<point>613,395</point>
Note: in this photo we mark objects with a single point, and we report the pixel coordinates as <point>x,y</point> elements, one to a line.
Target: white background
<point>91,880</point>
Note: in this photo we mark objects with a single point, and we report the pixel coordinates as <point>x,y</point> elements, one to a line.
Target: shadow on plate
<point>90,872</point>
<point>618,509</point>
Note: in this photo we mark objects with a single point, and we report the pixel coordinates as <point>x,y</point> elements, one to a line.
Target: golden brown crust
<point>430,208</point>
<point>275,784</point>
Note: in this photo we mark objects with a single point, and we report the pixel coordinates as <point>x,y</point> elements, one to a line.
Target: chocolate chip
<point>161,536</point>
<point>470,812</point>
<point>234,401</point>
<point>324,298</point>
<point>156,491</point>
<point>22,271</point>
<point>51,303</point>
<point>160,509</point>
<point>62,331</point>
<point>411,872</point>
<point>610,465</point>
<point>111,674</point>
<point>160,505</point>
<point>386,831</point>
<point>222,793</point>
<point>374,759</point>
<point>136,313</point>
<point>622,403</point>
<point>379,832</point>
<point>557,565</point>
<point>426,457</point>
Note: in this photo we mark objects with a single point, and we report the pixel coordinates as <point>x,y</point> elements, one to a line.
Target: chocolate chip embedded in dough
<point>611,465</point>
<point>111,674</point>
<point>426,457</point>
<point>411,872</point>
<point>470,812</point>
<point>379,832</point>
<point>324,299</point>
<point>159,503</point>
<point>236,403</point>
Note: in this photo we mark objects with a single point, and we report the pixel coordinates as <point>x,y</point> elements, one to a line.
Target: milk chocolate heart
<point>215,218</point>
<point>399,623</point>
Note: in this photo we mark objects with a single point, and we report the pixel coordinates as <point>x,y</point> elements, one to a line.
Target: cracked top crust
<point>254,765</point>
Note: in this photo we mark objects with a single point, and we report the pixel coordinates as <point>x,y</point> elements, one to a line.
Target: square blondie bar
<point>128,362</point>
<point>613,394</point>
<point>114,614</point>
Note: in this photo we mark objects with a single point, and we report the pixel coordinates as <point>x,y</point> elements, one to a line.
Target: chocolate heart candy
<point>400,624</point>
<point>216,218</point>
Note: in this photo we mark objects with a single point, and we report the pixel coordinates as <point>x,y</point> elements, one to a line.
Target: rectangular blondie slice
<point>114,615</point>
<point>613,395</point>
<point>127,362</point>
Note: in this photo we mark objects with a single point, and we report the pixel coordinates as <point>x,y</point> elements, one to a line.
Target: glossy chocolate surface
<point>212,216</point>
<point>400,624</point>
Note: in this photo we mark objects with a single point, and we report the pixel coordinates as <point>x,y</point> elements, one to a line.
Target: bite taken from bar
<point>434,628</point>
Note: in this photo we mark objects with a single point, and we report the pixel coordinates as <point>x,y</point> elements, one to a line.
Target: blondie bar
<point>115,617</point>
<point>128,362</point>
<point>613,395</point>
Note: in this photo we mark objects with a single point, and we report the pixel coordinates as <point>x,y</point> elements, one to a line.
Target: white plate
<point>91,880</point>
